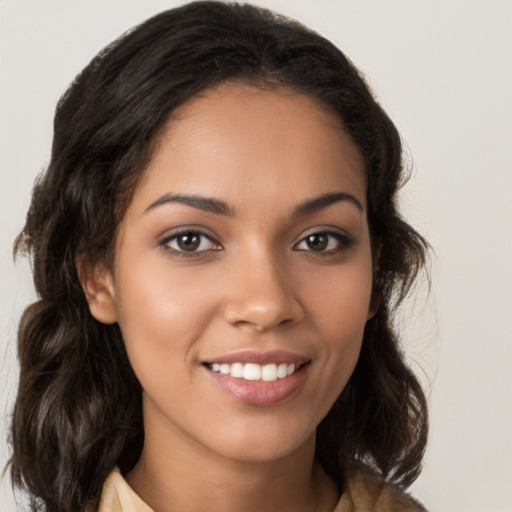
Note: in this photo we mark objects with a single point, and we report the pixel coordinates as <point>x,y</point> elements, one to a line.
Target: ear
<point>375,301</point>
<point>376,297</point>
<point>98,285</point>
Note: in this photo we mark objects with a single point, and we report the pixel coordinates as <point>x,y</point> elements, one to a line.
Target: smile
<point>253,372</point>
<point>259,378</point>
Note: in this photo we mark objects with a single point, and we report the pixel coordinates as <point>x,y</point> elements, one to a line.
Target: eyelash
<point>343,242</point>
<point>165,243</point>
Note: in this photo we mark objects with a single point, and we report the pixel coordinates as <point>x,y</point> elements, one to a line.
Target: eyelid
<point>186,228</point>
<point>345,240</point>
<point>169,235</point>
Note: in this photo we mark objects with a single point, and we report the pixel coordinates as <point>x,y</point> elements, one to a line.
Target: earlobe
<point>374,303</point>
<point>98,285</point>
<point>376,297</point>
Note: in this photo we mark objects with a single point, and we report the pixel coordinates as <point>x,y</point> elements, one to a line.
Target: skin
<point>254,283</point>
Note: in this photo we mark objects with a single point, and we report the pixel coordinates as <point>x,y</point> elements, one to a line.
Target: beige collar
<point>364,493</point>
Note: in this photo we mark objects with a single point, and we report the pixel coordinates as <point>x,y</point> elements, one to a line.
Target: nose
<point>261,295</point>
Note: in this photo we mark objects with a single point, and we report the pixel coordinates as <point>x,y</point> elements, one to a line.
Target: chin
<point>263,441</point>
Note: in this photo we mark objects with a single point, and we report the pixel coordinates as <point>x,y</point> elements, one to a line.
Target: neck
<point>180,476</point>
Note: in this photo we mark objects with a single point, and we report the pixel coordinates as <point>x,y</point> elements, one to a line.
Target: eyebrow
<point>219,207</point>
<point>201,203</point>
<point>325,200</point>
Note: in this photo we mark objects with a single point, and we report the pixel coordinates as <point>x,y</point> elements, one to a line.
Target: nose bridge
<point>261,293</point>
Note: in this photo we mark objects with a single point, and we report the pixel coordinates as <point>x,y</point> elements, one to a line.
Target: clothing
<point>364,492</point>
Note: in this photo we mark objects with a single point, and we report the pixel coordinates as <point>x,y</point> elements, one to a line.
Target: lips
<point>258,378</point>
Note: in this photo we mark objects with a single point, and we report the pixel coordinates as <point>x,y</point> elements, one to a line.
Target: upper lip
<point>259,357</point>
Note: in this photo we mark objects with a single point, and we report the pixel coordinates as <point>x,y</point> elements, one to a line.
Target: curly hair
<point>78,411</point>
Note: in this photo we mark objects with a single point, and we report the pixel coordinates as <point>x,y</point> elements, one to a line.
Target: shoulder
<point>366,492</point>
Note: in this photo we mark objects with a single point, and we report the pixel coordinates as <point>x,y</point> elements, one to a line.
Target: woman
<point>218,254</point>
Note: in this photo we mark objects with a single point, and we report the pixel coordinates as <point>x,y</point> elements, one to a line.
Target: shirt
<point>364,492</point>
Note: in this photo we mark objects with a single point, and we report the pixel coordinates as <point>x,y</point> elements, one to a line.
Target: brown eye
<point>189,241</point>
<point>325,242</point>
<point>317,242</point>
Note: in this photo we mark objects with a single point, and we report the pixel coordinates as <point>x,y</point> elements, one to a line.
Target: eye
<point>325,242</point>
<point>189,242</point>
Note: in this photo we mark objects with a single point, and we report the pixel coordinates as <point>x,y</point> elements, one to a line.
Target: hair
<point>78,411</point>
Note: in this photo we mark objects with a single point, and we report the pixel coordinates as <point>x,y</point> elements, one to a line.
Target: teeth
<point>251,371</point>
<point>269,372</point>
<point>282,371</point>
<point>237,370</point>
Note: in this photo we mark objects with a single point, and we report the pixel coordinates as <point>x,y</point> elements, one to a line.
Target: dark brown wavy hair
<point>78,411</point>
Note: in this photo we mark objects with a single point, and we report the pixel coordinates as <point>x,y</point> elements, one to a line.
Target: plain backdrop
<point>442,70</point>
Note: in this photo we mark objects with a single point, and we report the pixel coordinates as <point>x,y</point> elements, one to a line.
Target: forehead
<point>234,138</point>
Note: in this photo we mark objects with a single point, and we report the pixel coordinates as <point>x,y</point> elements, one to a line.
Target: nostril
<point>263,313</point>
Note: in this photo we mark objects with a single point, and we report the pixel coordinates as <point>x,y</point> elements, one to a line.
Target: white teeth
<point>252,371</point>
<point>237,370</point>
<point>269,372</point>
<point>282,371</point>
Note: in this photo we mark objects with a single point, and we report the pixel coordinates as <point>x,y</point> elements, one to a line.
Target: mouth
<point>256,372</point>
<point>257,378</point>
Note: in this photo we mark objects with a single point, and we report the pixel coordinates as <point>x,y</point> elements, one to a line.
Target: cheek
<point>340,299</point>
<point>162,313</point>
<point>339,306</point>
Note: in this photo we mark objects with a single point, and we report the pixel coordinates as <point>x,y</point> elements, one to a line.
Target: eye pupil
<point>188,241</point>
<point>318,241</point>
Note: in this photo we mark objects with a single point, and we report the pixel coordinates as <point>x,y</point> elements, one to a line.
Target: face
<point>243,273</point>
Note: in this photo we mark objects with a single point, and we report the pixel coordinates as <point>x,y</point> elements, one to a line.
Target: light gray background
<point>442,69</point>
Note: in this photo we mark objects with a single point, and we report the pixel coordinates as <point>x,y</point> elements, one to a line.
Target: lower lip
<point>258,392</point>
